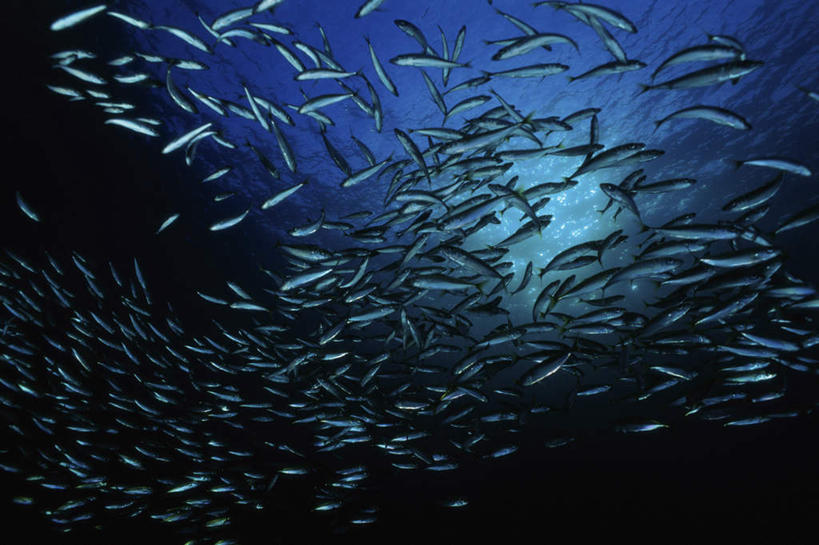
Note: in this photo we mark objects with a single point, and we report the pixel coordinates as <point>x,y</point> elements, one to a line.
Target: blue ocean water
<point>145,186</point>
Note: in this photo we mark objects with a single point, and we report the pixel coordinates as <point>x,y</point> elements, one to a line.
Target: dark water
<point>102,192</point>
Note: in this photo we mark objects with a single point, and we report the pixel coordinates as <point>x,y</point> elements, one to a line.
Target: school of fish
<point>422,345</point>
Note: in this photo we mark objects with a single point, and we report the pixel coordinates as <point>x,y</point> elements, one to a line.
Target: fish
<point>544,369</point>
<point>368,7</point>
<point>622,197</point>
<point>700,53</point>
<point>77,17</point>
<point>531,71</point>
<point>425,61</point>
<point>803,217</point>
<point>755,197</point>
<point>168,221</point>
<point>524,45</point>
<point>83,75</point>
<point>133,21</point>
<point>379,69</point>
<point>609,41</point>
<point>229,222</point>
<point>282,195</point>
<point>712,75</point>
<point>176,94</point>
<point>185,138</point>
<point>715,114</point>
<point>648,268</point>
<point>778,163</point>
<point>429,317</point>
<point>360,176</point>
<point>608,158</point>
<point>319,102</point>
<point>133,125</point>
<point>608,15</point>
<point>25,208</point>
<point>415,33</point>
<point>323,73</point>
<point>185,36</point>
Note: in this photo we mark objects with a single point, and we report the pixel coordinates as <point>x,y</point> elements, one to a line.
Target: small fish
<point>779,163</point>
<point>77,17</point>
<point>368,7</point>
<point>185,138</point>
<point>426,61</point>
<point>608,15</point>
<point>132,125</point>
<point>25,208</point>
<point>167,222</point>
<point>282,195</point>
<point>699,53</point>
<point>712,75</point>
<point>229,222</point>
<point>379,68</point>
<point>532,71</point>
<point>323,73</point>
<point>360,176</point>
<point>715,114</point>
<point>641,427</point>
<point>319,102</point>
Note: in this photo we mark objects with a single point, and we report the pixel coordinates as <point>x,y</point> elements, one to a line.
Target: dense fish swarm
<point>433,326</point>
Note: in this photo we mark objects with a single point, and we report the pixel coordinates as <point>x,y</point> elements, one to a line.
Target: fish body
<point>711,75</point>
